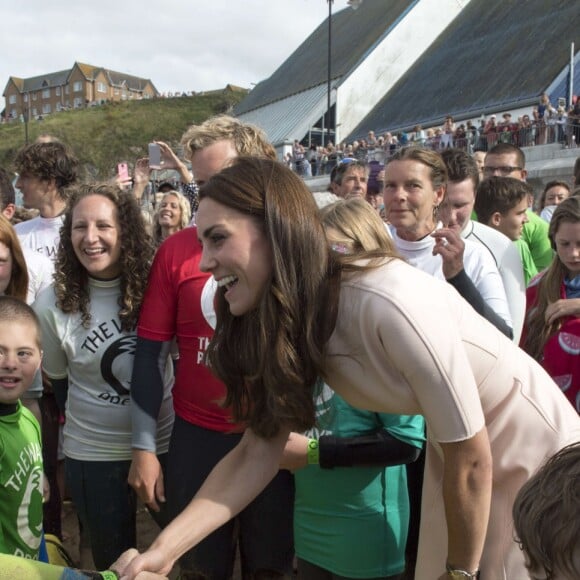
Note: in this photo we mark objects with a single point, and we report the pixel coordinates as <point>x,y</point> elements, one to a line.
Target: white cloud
<point>196,45</point>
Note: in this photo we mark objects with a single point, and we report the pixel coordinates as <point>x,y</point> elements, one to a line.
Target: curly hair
<point>18,285</point>
<point>184,219</point>
<point>546,515</point>
<point>270,358</point>
<point>247,139</point>
<point>549,286</point>
<point>48,161</point>
<point>71,278</point>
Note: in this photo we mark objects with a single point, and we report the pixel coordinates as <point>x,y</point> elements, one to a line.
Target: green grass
<point>106,135</point>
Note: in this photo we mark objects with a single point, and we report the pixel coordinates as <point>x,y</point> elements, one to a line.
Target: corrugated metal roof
<point>496,55</point>
<point>354,33</point>
<point>292,117</point>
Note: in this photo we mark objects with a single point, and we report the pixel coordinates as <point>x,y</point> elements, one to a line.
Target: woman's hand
<point>562,308</point>
<point>131,564</point>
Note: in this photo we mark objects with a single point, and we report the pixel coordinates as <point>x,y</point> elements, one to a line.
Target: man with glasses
<point>507,160</point>
<point>350,178</point>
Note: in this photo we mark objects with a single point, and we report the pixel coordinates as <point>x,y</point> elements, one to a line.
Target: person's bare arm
<point>467,480</point>
<point>235,481</point>
<point>171,161</point>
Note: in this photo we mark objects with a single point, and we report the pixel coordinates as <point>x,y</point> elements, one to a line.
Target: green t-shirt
<point>20,484</point>
<point>353,521</point>
<point>528,264</point>
<point>535,235</point>
<point>14,567</point>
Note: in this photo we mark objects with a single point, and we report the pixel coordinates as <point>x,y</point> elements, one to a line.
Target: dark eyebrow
<point>208,231</point>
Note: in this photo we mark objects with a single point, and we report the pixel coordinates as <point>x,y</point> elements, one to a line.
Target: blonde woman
<point>173,214</point>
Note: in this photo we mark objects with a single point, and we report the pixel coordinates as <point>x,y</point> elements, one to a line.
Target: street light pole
<point>329,71</point>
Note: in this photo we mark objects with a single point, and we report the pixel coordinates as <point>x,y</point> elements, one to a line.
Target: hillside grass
<point>103,136</point>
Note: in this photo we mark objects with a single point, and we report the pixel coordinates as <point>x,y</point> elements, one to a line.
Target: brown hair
<point>71,279</point>
<point>18,285</point>
<point>499,194</point>
<point>549,286</point>
<point>13,309</point>
<point>434,161</point>
<point>546,515</point>
<point>549,185</point>
<point>47,161</point>
<point>272,366</point>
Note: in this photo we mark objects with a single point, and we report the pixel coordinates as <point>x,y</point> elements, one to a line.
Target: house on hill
<point>81,86</point>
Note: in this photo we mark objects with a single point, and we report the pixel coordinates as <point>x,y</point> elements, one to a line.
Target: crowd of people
<point>546,123</point>
<point>354,384</point>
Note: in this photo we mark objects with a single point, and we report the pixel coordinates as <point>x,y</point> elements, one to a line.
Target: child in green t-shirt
<point>21,475</point>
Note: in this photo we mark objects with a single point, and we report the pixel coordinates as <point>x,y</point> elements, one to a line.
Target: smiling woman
<point>489,408</point>
<point>89,339</point>
<point>173,214</point>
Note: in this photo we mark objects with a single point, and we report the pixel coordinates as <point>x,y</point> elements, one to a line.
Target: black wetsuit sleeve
<point>375,449</point>
<point>464,285</point>
<point>147,386</point>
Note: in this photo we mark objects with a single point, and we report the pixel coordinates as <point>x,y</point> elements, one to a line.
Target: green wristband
<point>313,452</point>
<point>109,575</point>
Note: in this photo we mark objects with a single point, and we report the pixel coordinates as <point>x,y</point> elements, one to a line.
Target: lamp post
<point>329,72</point>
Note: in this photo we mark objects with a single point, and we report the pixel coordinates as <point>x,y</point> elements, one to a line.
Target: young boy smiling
<point>501,203</point>
<point>21,476</point>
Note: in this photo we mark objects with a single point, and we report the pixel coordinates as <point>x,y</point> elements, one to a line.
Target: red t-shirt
<point>561,356</point>
<point>179,302</point>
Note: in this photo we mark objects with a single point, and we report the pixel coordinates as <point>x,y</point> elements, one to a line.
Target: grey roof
<point>496,55</point>
<point>292,117</point>
<point>354,34</point>
<point>55,79</point>
<point>118,79</point>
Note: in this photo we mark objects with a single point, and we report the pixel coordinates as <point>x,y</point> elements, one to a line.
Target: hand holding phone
<point>154,156</point>
<point>123,172</point>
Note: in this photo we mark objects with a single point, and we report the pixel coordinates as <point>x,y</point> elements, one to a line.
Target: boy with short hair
<point>546,516</point>
<point>501,203</point>
<point>21,475</point>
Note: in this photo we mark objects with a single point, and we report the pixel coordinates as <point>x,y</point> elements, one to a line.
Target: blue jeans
<point>106,506</point>
<point>264,529</point>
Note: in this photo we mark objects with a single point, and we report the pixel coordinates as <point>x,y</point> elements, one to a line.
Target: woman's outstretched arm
<point>234,482</point>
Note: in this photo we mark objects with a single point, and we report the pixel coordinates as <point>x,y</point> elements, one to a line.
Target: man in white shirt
<point>45,171</point>
<point>455,212</point>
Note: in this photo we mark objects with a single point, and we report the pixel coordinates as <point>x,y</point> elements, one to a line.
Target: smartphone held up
<point>154,156</point>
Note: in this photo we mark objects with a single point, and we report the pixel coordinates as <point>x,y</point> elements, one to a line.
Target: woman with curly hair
<point>552,327</point>
<point>173,214</point>
<point>88,319</point>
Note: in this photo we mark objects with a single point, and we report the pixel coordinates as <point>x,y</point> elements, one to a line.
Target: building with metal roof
<point>497,55</point>
<point>371,47</point>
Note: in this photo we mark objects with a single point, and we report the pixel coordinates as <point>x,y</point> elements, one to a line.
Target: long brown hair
<point>18,285</point>
<point>549,286</point>
<point>271,358</point>
<point>71,279</point>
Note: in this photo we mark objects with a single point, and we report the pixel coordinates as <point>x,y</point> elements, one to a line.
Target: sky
<point>193,45</point>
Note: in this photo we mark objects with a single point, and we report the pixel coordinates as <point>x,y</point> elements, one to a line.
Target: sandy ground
<point>147,530</point>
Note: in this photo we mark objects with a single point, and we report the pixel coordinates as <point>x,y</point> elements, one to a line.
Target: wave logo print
<point>30,530</point>
<point>112,362</point>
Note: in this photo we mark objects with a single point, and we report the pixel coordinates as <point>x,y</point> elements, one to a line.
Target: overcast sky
<point>178,44</point>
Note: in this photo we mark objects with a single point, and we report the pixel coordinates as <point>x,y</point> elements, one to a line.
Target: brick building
<point>80,86</point>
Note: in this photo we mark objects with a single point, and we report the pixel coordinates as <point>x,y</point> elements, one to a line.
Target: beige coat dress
<point>408,343</point>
